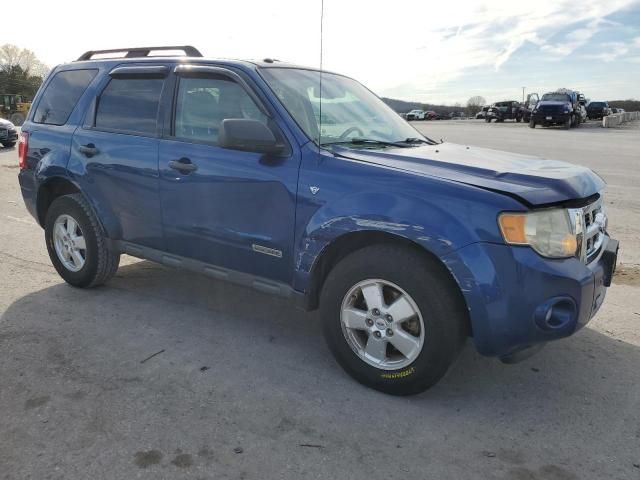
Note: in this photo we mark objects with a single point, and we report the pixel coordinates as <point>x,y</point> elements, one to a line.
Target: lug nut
<point>376,312</point>
<point>377,334</point>
<point>389,332</point>
<point>388,318</point>
<point>369,322</point>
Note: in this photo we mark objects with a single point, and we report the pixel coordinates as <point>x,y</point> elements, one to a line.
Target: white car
<point>417,115</point>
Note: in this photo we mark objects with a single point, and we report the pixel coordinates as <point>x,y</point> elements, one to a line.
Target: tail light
<point>23,148</point>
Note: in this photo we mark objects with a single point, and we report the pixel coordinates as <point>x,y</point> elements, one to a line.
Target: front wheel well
<point>351,242</point>
<point>48,192</point>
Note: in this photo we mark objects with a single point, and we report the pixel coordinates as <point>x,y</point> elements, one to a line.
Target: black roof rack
<point>134,52</point>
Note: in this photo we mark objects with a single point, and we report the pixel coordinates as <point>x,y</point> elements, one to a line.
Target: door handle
<point>88,150</point>
<point>183,165</point>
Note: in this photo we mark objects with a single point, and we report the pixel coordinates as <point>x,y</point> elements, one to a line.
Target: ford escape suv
<point>304,184</point>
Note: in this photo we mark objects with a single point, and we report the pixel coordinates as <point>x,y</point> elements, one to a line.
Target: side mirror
<point>248,135</point>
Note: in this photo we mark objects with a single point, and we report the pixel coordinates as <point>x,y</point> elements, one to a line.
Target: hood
<point>533,180</point>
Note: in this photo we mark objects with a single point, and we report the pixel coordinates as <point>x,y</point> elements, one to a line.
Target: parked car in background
<point>416,115</point>
<point>617,110</point>
<point>457,115</point>
<point>406,245</point>
<point>482,113</point>
<point>431,115</point>
<point>8,133</point>
<point>507,110</point>
<point>597,110</point>
<point>560,107</point>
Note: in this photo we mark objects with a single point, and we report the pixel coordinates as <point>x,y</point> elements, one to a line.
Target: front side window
<point>350,112</point>
<point>130,105</point>
<point>61,95</point>
<point>204,102</point>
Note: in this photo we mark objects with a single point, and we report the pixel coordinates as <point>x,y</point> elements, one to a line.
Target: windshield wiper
<point>368,141</point>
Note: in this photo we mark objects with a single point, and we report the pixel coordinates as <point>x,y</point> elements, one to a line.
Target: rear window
<point>130,105</point>
<point>61,95</point>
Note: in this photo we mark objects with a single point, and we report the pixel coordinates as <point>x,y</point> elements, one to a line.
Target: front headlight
<point>549,232</point>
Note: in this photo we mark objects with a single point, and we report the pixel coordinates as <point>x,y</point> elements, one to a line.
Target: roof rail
<point>134,52</point>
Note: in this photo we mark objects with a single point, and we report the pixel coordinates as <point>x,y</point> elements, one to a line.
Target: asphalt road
<point>244,387</point>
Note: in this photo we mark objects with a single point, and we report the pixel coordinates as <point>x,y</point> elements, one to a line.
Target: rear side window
<point>130,105</point>
<point>61,95</point>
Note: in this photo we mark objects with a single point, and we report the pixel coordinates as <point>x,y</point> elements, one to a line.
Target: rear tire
<point>76,245</point>
<point>532,124</point>
<point>567,124</point>
<point>437,324</point>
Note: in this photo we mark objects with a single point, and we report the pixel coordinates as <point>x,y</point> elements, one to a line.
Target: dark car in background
<point>8,133</point>
<point>507,110</point>
<point>482,113</point>
<point>561,107</point>
<point>597,110</point>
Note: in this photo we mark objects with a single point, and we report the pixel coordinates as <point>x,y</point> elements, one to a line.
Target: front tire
<point>76,244</point>
<point>532,124</point>
<point>392,319</point>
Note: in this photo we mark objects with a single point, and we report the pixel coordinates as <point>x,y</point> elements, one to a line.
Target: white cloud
<point>610,51</point>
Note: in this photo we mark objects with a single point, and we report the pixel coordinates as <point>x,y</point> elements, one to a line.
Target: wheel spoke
<point>77,258</point>
<point>406,343</point>
<point>376,349</point>
<point>59,231</point>
<point>401,310</point>
<point>65,254</point>
<point>373,296</point>
<point>71,227</point>
<point>80,243</point>
<point>354,318</point>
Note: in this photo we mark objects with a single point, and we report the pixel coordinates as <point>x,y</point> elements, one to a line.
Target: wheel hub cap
<point>382,324</point>
<point>69,243</point>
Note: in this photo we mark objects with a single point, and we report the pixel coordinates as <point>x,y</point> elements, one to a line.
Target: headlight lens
<point>549,232</point>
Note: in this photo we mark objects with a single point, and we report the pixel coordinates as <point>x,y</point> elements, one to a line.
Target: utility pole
<point>523,94</point>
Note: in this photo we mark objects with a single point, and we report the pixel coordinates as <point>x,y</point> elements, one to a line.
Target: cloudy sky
<point>435,52</point>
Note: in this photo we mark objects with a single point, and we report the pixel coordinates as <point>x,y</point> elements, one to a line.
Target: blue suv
<point>304,184</point>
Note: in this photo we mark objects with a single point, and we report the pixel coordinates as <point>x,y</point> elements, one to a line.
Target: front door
<point>229,208</point>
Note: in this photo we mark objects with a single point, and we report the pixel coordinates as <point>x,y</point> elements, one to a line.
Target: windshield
<point>596,105</point>
<point>556,97</point>
<point>349,111</point>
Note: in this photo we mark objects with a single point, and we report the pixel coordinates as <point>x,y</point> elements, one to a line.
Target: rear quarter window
<point>130,105</point>
<point>61,95</point>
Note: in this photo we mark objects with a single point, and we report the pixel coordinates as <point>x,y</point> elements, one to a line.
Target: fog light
<point>556,314</point>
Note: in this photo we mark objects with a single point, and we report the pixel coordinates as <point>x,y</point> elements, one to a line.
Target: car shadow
<point>176,341</point>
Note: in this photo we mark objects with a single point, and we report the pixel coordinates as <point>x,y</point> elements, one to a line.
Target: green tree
<point>21,72</point>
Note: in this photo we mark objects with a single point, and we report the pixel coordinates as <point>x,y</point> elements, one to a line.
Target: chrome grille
<point>590,224</point>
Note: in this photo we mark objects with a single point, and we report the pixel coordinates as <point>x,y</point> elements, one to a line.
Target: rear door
<point>230,208</point>
<point>116,150</point>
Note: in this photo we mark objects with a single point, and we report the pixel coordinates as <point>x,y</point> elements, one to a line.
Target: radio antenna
<point>321,39</point>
